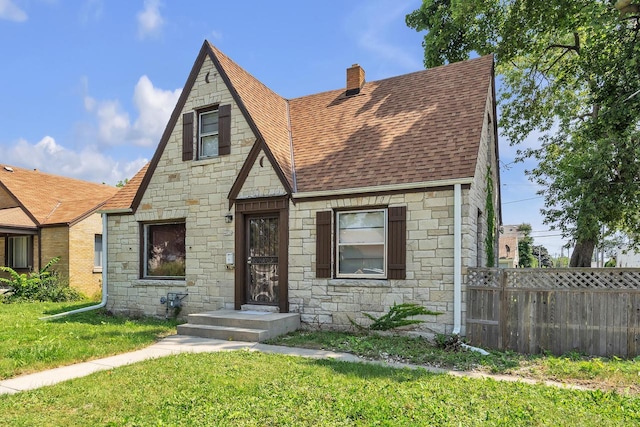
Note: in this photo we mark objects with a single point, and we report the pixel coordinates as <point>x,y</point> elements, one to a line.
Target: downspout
<point>457,259</point>
<point>457,267</point>
<point>103,302</point>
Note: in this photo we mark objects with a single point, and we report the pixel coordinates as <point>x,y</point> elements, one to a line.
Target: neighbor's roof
<point>415,128</point>
<point>48,199</point>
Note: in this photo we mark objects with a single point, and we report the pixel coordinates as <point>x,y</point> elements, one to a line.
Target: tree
<point>541,254</point>
<point>122,183</point>
<point>569,72</point>
<point>525,247</point>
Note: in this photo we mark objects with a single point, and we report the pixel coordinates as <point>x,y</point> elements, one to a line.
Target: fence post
<point>503,338</point>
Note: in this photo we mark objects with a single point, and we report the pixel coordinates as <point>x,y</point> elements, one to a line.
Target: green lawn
<point>245,388</point>
<point>606,374</point>
<point>28,344</point>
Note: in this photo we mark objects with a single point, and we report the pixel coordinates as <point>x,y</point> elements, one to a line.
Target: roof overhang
<point>18,230</point>
<point>382,188</point>
<point>119,211</point>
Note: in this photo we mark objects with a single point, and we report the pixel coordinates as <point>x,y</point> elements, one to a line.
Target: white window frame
<point>382,275</point>
<point>97,253</point>
<point>12,252</point>
<point>202,135</point>
<point>145,253</point>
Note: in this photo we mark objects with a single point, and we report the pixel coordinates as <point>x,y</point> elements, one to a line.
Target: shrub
<point>397,316</point>
<point>43,285</point>
<point>448,342</point>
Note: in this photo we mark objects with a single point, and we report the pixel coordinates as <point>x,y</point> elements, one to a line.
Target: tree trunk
<point>582,253</point>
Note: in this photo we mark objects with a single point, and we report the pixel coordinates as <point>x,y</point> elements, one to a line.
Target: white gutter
<point>103,303</point>
<point>379,188</point>
<point>457,259</point>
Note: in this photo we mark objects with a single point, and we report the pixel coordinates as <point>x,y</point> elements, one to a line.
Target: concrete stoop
<point>248,325</point>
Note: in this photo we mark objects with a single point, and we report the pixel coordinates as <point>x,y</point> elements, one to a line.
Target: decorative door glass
<point>262,260</point>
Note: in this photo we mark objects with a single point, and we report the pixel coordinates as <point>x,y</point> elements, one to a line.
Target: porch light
<point>228,218</point>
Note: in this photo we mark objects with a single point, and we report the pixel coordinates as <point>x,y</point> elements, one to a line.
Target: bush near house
<point>42,285</point>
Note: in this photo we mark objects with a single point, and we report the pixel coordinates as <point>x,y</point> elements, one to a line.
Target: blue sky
<point>87,86</point>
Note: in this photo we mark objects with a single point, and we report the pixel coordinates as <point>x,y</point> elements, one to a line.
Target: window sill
<point>97,269</point>
<point>167,283</point>
<point>206,161</point>
<point>360,283</point>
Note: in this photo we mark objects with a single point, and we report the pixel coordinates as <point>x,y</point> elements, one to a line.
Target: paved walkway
<point>175,344</point>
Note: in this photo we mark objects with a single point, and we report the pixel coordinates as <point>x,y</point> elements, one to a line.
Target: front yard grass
<point>593,372</point>
<point>244,388</point>
<point>29,345</point>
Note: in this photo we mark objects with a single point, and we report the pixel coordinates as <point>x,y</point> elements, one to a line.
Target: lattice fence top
<point>556,278</point>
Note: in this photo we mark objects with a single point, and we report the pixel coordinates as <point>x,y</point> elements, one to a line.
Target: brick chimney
<point>355,79</point>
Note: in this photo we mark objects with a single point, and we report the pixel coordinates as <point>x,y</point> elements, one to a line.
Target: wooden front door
<point>262,269</point>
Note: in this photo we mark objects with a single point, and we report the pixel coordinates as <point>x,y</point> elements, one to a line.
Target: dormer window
<point>213,130</point>
<point>208,134</point>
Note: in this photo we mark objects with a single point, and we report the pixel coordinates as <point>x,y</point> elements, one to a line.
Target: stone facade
<point>196,192</point>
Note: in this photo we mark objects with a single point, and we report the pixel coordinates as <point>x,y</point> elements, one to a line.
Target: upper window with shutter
<point>213,136</point>
<point>208,134</point>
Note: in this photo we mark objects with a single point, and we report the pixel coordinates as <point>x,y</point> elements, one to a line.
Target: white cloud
<point>155,107</point>
<point>88,163</point>
<point>114,125</point>
<point>149,19</point>
<point>11,12</point>
<point>374,22</point>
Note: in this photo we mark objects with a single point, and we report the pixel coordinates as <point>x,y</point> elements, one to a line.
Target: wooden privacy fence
<point>594,311</point>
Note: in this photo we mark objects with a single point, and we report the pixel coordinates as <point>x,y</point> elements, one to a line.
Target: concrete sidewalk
<point>171,345</point>
<point>175,344</point>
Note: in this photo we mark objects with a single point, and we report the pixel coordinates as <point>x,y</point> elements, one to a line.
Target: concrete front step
<point>240,325</point>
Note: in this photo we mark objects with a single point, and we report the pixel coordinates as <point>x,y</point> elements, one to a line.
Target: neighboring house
<point>329,205</point>
<point>43,216</point>
<point>508,255</point>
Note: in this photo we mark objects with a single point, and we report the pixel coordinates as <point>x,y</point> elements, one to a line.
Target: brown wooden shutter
<point>224,130</point>
<point>323,244</point>
<point>187,136</point>
<point>397,244</point>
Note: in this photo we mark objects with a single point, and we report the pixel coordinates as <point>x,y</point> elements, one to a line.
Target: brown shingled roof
<point>420,127</point>
<point>268,110</point>
<point>124,197</point>
<point>52,199</point>
<point>417,127</point>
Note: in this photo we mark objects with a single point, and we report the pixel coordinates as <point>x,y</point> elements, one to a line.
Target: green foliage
<point>525,247</point>
<point>541,256</point>
<point>491,222</point>
<point>568,74</point>
<point>398,316</point>
<point>43,285</point>
<point>448,342</point>
<point>122,183</point>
